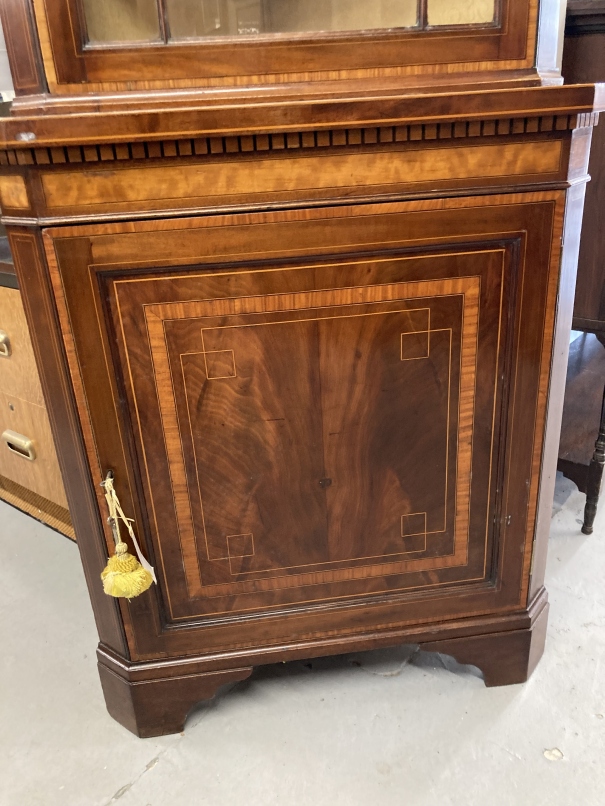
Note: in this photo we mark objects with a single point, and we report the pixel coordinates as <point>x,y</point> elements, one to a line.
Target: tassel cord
<point>124,575</point>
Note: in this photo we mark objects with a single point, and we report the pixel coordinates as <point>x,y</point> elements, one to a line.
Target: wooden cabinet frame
<point>68,61</point>
<point>93,264</point>
<point>161,199</point>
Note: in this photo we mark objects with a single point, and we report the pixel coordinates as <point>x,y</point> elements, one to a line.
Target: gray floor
<point>389,727</point>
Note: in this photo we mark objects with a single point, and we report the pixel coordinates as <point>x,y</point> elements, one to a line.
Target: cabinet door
<point>310,410</point>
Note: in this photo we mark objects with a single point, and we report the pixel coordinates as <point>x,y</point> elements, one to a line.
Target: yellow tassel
<point>124,575</point>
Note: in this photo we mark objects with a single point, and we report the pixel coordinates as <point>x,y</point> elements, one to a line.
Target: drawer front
<point>310,411</point>
<point>18,370</point>
<point>27,450</point>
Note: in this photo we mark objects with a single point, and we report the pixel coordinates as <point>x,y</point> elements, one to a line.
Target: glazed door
<point>306,411</point>
<point>121,45</point>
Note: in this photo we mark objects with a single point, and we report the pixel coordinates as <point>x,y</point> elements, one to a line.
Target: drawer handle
<point>20,445</point>
<point>5,344</point>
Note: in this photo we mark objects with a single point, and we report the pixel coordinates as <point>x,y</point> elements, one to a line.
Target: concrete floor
<point>388,727</point>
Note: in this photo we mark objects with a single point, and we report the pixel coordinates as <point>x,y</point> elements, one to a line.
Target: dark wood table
<point>583,416</point>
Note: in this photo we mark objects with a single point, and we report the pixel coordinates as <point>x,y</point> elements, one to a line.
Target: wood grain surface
<point>257,60</point>
<point>286,403</point>
<point>23,48</point>
<point>13,193</point>
<point>223,116</point>
<point>309,299</point>
<point>42,475</point>
<point>40,310</point>
<point>18,373</point>
<point>288,177</point>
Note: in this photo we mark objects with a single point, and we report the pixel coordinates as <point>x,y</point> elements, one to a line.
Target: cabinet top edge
<point>232,115</point>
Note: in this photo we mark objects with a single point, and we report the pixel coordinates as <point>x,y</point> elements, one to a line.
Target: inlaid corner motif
<point>416,343</point>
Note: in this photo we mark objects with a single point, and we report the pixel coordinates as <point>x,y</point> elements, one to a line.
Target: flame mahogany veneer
<point>316,325</point>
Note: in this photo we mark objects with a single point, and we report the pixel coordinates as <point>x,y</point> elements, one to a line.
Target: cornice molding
<point>289,141</point>
<point>237,118</point>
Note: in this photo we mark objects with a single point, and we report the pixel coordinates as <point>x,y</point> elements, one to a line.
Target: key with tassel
<point>124,575</point>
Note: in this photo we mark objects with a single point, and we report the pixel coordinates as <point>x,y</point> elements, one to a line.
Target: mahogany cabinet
<point>308,296</point>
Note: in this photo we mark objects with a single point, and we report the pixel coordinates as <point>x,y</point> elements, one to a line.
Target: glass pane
<point>197,18</point>
<point>121,20</point>
<point>460,12</point>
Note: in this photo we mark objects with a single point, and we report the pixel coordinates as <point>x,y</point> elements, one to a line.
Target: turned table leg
<point>595,476</point>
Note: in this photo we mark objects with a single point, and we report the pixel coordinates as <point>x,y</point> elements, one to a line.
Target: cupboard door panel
<point>313,412</point>
<point>314,438</point>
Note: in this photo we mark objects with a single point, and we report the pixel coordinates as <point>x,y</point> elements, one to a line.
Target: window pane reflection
<point>190,19</point>
<point>460,12</point>
<point>138,20</point>
<point>121,20</point>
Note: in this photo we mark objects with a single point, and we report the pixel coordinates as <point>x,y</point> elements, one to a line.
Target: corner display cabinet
<point>300,273</point>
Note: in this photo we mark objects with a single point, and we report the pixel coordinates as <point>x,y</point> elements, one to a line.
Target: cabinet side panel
<point>569,262</point>
<point>22,47</point>
<point>44,327</point>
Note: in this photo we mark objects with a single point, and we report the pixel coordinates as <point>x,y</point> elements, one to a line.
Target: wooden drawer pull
<point>17,443</point>
<point>5,345</point>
